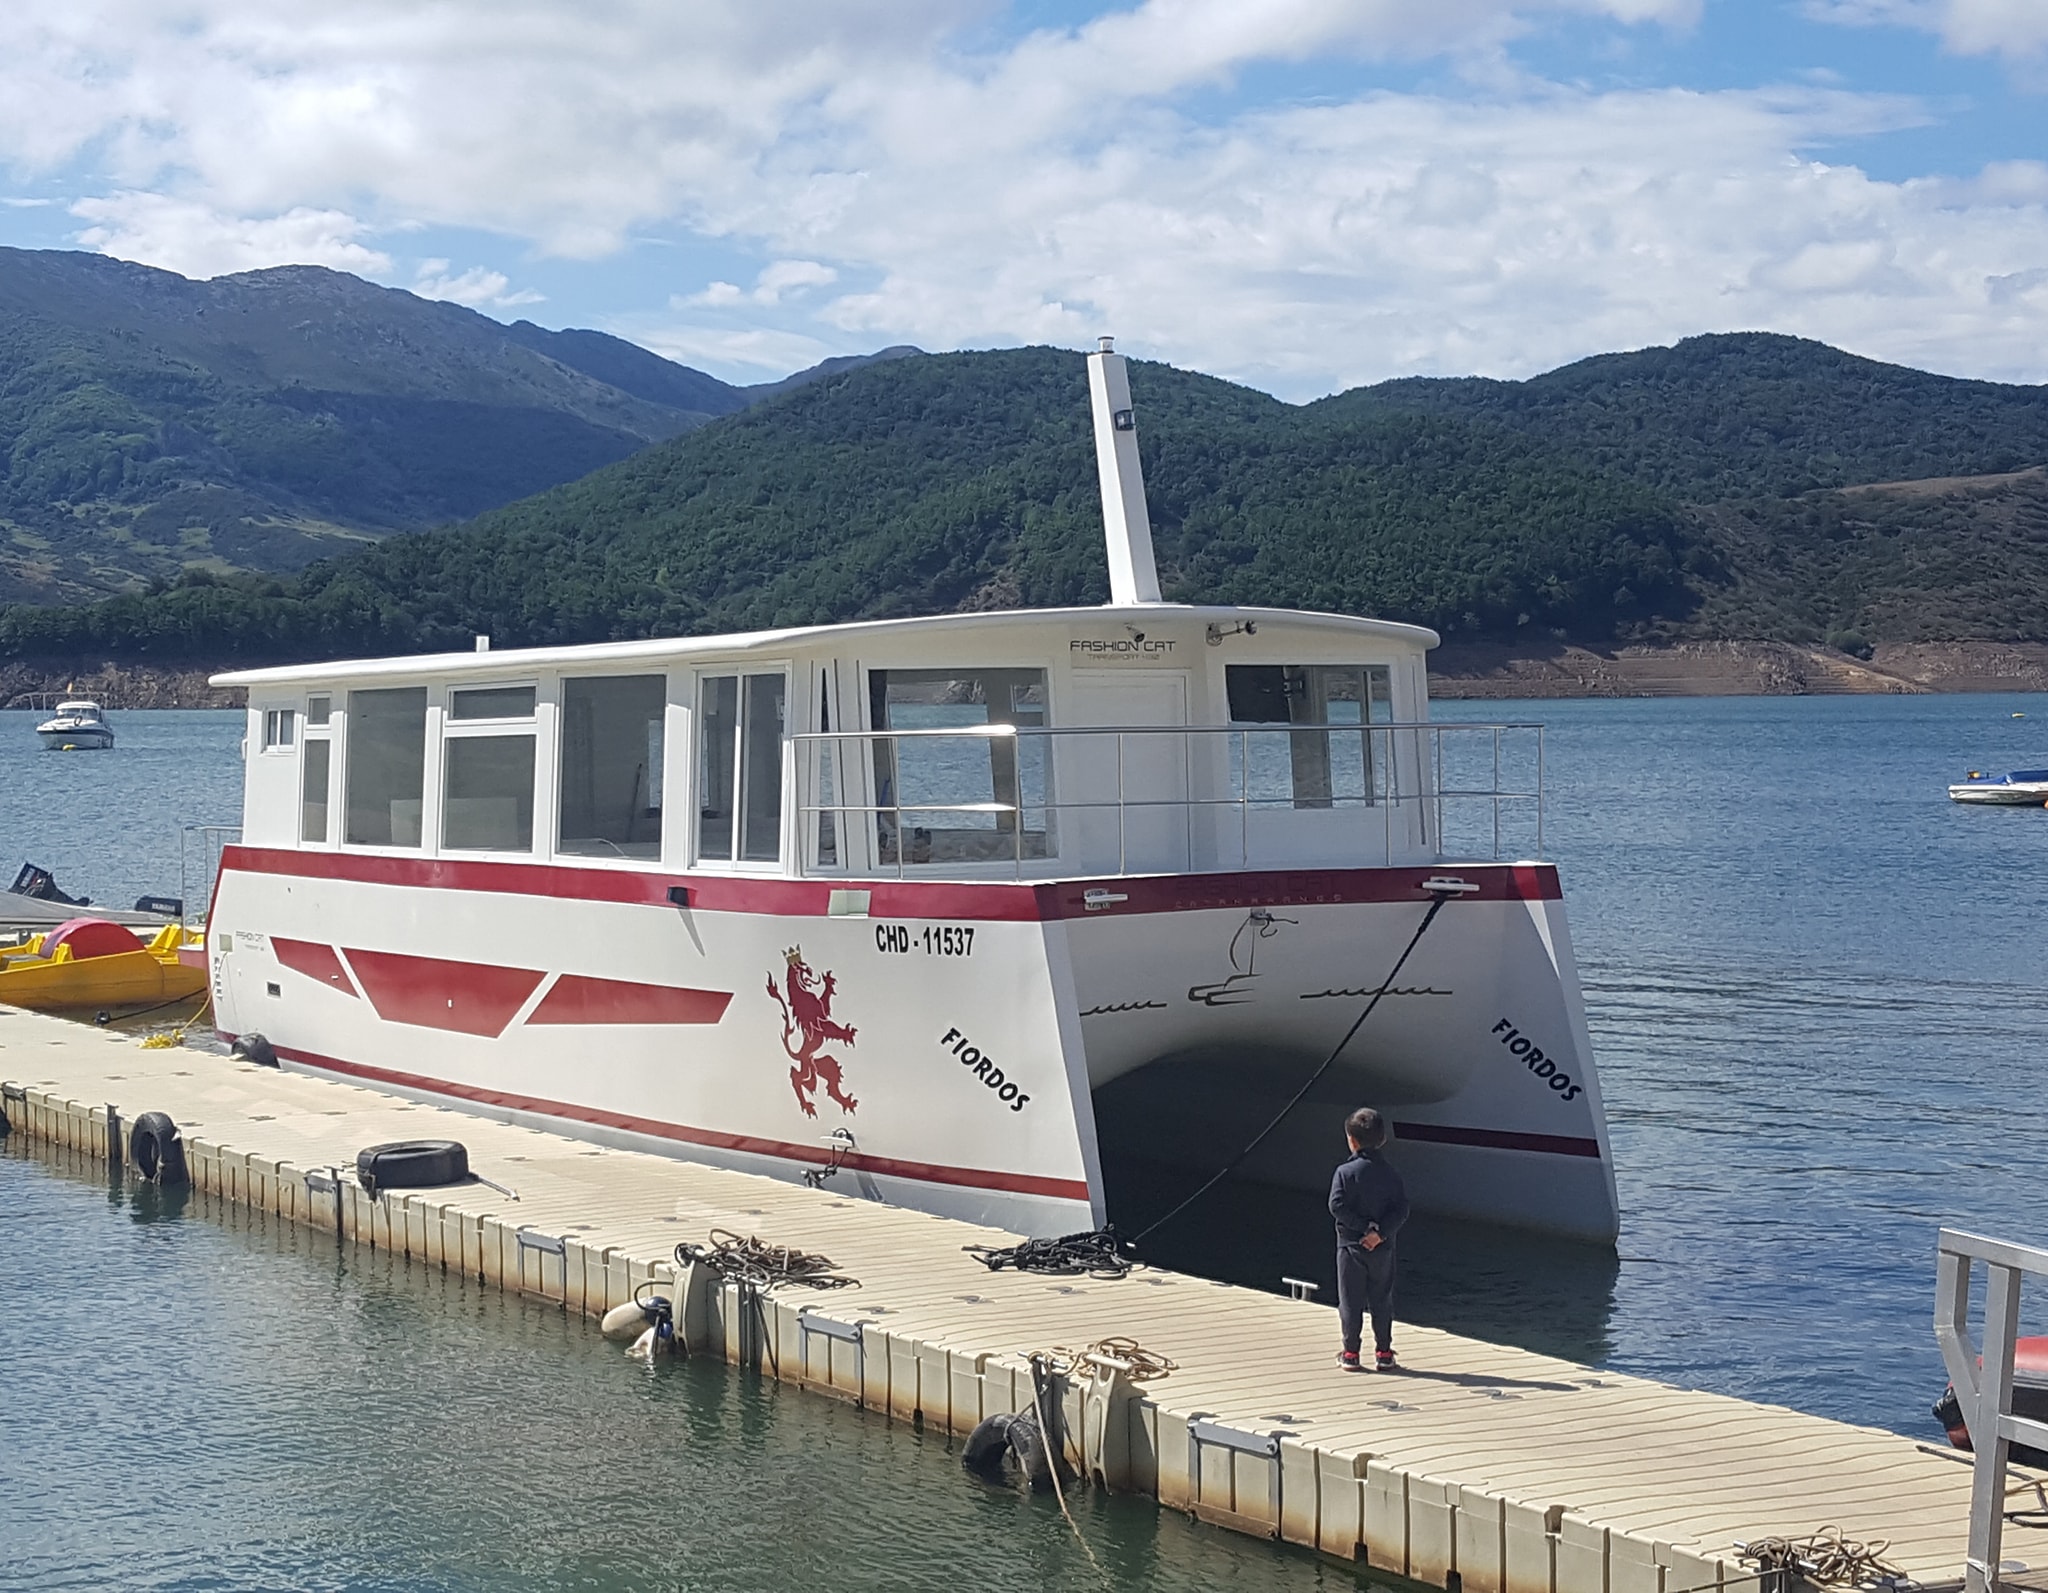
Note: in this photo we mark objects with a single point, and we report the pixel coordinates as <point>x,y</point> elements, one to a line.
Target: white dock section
<point>1478,1467</point>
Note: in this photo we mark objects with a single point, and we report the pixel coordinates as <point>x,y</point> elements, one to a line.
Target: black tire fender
<point>412,1164</point>
<point>158,1150</point>
<point>1028,1444</point>
<point>254,1048</point>
<point>987,1445</point>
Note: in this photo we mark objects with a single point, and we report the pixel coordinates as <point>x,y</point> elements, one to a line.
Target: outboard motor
<point>2029,1398</point>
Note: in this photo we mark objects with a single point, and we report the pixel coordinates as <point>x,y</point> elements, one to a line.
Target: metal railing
<point>1984,1384</point>
<point>199,850</point>
<point>1114,800</point>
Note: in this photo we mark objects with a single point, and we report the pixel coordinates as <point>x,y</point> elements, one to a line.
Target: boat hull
<point>1996,793</point>
<point>970,1049</point>
<point>76,740</point>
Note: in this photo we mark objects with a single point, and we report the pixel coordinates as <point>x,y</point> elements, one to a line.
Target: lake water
<point>1818,1007</point>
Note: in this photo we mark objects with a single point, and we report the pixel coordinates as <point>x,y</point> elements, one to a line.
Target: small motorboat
<point>2020,788</point>
<point>76,727</point>
<point>90,962</point>
<point>2029,1398</point>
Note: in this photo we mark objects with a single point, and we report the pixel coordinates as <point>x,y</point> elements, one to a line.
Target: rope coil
<point>1828,1558</point>
<point>762,1267</point>
<point>1116,1353</point>
<point>1094,1255</point>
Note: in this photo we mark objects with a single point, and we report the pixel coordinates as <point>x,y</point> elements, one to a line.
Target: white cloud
<point>773,353</point>
<point>899,182</point>
<point>476,287</point>
<point>197,241</point>
<point>777,278</point>
<point>2017,29</point>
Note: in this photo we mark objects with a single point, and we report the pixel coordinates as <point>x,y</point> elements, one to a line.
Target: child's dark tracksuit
<point>1366,1196</point>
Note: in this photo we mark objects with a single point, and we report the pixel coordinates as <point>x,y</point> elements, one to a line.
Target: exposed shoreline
<point>1458,671</point>
<point>1468,670</point>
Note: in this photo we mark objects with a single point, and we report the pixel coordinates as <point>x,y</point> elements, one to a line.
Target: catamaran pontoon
<point>938,906</point>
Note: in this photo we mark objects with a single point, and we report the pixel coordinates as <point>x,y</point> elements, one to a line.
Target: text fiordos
<point>971,1057</point>
<point>1537,1063</point>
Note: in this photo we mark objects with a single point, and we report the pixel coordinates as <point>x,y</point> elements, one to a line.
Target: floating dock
<point>1476,1467</point>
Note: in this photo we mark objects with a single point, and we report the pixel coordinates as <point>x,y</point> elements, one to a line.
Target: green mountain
<point>1744,415</point>
<point>149,423</point>
<point>1636,497</point>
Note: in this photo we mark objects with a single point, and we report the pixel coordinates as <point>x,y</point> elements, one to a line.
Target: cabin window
<point>387,764</point>
<point>491,702</point>
<point>973,795</point>
<point>487,801</point>
<point>739,767</point>
<point>1330,756</point>
<point>278,724</point>
<point>315,764</point>
<point>318,711</point>
<point>611,765</point>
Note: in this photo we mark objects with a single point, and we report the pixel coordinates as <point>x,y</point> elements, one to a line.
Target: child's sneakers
<point>1381,1359</point>
<point>1348,1360</point>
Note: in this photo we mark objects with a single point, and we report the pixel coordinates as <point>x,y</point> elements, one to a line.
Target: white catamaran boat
<point>76,727</point>
<point>945,909</point>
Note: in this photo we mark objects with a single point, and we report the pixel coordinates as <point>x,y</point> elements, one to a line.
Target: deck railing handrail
<point>1405,780</point>
<point>1984,1380</point>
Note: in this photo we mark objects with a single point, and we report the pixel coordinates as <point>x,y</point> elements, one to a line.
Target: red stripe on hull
<point>885,1166</point>
<point>918,899</point>
<point>1499,1139</point>
<point>577,998</point>
<point>433,993</point>
<point>317,962</point>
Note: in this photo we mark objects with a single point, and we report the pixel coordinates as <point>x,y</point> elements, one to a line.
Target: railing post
<point>1987,1430</point>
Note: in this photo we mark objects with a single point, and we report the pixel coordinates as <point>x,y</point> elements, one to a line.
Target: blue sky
<point>1299,194</point>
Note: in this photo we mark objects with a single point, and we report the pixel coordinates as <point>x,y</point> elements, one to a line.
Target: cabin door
<point>1123,798</point>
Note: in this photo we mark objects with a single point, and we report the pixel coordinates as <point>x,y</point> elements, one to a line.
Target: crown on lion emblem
<point>792,954</point>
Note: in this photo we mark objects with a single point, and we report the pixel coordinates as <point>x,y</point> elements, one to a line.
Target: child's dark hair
<point>1366,1129</point>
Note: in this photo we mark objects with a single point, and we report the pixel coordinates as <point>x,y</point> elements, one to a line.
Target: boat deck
<point>30,915</point>
<point>1476,1466</point>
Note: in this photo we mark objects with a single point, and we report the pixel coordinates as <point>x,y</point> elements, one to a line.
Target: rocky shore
<point>1732,669</point>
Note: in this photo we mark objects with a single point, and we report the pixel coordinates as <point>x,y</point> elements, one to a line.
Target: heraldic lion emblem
<point>807,1016</point>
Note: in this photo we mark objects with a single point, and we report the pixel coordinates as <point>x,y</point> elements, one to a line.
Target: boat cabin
<point>1015,745</point>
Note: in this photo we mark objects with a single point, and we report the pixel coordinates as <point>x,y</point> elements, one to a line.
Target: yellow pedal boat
<point>89,962</point>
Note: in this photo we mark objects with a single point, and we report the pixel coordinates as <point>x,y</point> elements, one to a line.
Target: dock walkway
<point>1476,1467</point>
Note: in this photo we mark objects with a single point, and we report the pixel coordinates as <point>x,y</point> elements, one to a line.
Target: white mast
<point>1133,577</point>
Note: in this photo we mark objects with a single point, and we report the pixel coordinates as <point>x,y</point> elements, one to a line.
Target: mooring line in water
<point>1436,903</point>
<point>1040,1373</point>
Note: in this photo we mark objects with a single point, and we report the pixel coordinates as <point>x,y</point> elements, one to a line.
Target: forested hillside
<point>148,422</point>
<point>961,481</point>
<point>1745,415</point>
<point>1644,497</point>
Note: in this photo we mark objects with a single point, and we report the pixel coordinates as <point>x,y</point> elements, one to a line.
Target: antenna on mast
<point>1127,527</point>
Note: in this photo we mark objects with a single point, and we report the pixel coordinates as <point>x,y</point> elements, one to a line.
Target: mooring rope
<point>1826,1557</point>
<point>1436,903</point>
<point>763,1267</point>
<point>1117,1353</point>
<point>1095,1255</point>
<point>1057,1457</point>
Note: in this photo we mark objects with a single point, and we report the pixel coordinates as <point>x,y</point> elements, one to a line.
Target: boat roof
<point>526,660</point>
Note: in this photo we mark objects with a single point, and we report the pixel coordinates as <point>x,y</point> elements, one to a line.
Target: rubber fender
<point>987,1445</point>
<point>412,1164</point>
<point>1027,1443</point>
<point>158,1150</point>
<point>254,1048</point>
<point>624,1323</point>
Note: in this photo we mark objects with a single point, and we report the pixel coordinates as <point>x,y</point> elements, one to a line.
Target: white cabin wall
<point>679,771</point>
<point>270,785</point>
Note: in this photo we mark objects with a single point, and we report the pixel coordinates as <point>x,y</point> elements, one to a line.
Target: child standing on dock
<point>1370,1204</point>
